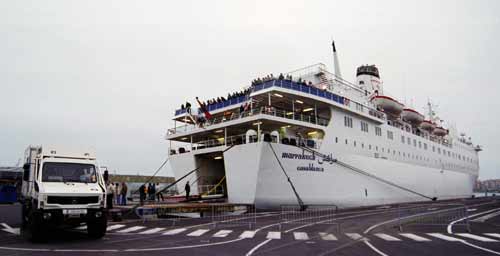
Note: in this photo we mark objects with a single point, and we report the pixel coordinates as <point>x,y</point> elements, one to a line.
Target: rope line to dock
<point>301,203</point>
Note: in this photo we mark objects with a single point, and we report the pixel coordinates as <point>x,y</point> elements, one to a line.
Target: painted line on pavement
<point>476,237</point>
<point>415,237</point>
<point>387,237</point>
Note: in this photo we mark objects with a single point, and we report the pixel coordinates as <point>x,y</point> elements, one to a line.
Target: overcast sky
<point>109,74</point>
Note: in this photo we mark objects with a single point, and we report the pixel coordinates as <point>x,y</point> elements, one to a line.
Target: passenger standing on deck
<point>187,188</point>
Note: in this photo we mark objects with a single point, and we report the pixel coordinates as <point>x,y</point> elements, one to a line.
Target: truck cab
<point>62,190</point>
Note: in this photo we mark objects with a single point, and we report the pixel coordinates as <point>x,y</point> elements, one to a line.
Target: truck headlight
<point>47,215</point>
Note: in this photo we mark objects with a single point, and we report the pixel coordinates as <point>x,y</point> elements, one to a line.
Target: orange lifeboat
<point>440,131</point>
<point>388,105</point>
<point>413,117</point>
<point>428,125</point>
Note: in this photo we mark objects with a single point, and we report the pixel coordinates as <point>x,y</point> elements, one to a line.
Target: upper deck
<point>277,91</point>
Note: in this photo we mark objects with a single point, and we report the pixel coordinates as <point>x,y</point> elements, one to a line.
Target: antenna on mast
<point>336,61</point>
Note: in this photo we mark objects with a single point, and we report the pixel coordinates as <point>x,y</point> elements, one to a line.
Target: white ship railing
<point>288,114</point>
<point>242,139</point>
<point>352,105</point>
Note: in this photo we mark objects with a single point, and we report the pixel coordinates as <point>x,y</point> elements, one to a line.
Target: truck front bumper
<point>70,217</point>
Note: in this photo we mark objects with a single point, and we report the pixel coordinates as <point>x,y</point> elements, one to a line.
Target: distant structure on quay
<point>487,185</point>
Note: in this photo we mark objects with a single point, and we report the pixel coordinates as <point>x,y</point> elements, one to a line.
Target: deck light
<point>308,109</point>
<point>217,157</point>
<point>289,113</point>
<point>299,101</point>
<point>278,95</point>
<point>257,123</point>
<point>185,138</point>
<point>312,133</point>
<point>219,131</point>
<point>286,126</point>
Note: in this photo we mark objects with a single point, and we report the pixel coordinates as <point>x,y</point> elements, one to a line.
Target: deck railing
<point>282,113</point>
<point>292,85</point>
<point>242,139</point>
<point>219,105</point>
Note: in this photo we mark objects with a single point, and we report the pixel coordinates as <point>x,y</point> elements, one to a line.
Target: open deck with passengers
<point>287,110</point>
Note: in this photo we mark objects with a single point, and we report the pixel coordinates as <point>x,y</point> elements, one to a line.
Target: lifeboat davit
<point>428,125</point>
<point>440,131</point>
<point>388,105</point>
<point>413,117</point>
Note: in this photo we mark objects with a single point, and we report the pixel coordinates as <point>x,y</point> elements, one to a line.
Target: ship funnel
<point>336,61</point>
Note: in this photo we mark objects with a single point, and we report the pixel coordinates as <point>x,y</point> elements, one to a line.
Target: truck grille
<point>72,199</point>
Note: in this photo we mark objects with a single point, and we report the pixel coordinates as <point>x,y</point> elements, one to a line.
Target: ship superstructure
<point>310,136</point>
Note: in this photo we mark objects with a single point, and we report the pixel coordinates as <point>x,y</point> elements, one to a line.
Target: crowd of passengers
<point>230,96</point>
<point>247,91</point>
<point>271,77</point>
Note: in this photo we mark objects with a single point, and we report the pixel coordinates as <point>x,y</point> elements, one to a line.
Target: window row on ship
<point>427,153</point>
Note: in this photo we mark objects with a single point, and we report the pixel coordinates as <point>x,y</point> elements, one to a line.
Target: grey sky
<point>109,74</point>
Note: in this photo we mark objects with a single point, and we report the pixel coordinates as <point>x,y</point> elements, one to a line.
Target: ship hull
<point>254,176</point>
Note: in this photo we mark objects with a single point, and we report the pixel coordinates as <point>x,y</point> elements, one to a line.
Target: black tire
<point>32,226</point>
<point>96,227</point>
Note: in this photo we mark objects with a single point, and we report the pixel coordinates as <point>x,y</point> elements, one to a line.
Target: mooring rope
<point>301,203</point>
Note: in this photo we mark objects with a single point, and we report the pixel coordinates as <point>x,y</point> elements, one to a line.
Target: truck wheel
<point>32,227</point>
<point>96,227</point>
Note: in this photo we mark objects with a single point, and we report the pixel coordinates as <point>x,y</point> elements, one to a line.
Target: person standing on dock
<point>142,193</point>
<point>187,189</point>
<point>159,194</point>
<point>153,192</point>
<point>118,193</point>
<point>109,195</point>
<point>123,193</point>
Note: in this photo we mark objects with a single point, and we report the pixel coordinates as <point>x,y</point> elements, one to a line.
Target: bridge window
<point>390,135</point>
<point>378,131</point>
<point>348,121</point>
<point>364,126</point>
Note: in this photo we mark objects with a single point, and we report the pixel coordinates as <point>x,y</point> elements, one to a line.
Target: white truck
<point>61,190</point>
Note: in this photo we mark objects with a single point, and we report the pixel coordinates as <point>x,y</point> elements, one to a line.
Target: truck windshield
<point>68,172</point>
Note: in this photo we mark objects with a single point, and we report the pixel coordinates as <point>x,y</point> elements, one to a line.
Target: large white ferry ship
<point>311,137</point>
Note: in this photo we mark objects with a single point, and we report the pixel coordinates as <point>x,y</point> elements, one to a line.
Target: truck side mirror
<point>26,173</point>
